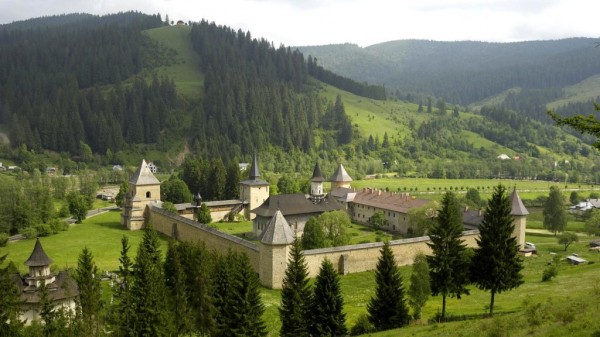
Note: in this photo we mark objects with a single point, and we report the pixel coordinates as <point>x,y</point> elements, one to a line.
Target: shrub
<point>44,230</point>
<point>549,273</point>
<point>362,326</point>
<point>3,239</point>
<point>58,225</point>
<point>64,211</point>
<point>29,232</point>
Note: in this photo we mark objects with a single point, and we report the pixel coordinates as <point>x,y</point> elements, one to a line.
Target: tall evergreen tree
<point>90,292</point>
<point>204,214</point>
<point>388,309</point>
<point>10,325</point>
<point>555,216</point>
<point>420,287</point>
<point>177,288</point>
<point>327,317</point>
<point>496,265</point>
<point>232,186</point>
<point>448,266</point>
<point>148,292</point>
<point>246,300</point>
<point>124,311</point>
<point>295,295</point>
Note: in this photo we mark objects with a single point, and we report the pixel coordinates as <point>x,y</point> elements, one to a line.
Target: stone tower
<point>316,185</point>
<point>253,191</point>
<point>519,213</point>
<point>39,268</point>
<point>275,243</point>
<point>340,178</point>
<point>144,188</point>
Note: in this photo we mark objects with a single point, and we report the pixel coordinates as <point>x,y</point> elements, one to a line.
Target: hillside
<point>211,91</point>
<point>463,72</point>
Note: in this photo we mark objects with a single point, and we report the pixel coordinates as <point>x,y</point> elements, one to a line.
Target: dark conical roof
<point>317,175</point>
<point>517,207</point>
<point>254,174</point>
<point>38,257</point>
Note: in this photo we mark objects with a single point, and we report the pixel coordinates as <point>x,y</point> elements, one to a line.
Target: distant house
<point>243,166</point>
<point>51,171</point>
<point>180,23</point>
<point>584,206</point>
<point>503,157</point>
<point>153,168</point>
<point>117,168</point>
<point>575,260</point>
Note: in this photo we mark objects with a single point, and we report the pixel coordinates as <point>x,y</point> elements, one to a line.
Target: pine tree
<point>124,309</point>
<point>448,266</point>
<point>295,295</point>
<point>420,288</point>
<point>90,292</point>
<point>148,292</point>
<point>48,313</point>
<point>246,300</point>
<point>232,186</point>
<point>327,317</point>
<point>496,265</point>
<point>176,285</point>
<point>555,217</point>
<point>10,325</point>
<point>388,310</point>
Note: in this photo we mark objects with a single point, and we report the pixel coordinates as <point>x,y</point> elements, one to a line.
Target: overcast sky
<point>364,22</point>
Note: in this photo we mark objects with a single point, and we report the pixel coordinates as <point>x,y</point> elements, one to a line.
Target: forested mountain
<point>111,89</point>
<point>463,72</point>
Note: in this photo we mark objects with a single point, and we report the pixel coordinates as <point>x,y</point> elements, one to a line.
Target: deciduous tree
<point>204,214</point>
<point>496,265</point>
<point>567,238</point>
<point>420,288</point>
<point>555,216</point>
<point>313,236</point>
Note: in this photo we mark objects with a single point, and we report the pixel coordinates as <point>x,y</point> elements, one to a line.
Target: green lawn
<point>101,234</point>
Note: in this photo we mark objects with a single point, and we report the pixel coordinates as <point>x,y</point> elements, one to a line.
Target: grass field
<point>101,234</point>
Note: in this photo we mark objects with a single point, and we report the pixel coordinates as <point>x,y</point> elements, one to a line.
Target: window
<point>148,194</point>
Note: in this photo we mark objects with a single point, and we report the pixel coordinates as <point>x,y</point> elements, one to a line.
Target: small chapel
<point>62,288</point>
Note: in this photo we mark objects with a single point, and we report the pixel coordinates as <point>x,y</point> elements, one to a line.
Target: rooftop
<point>143,176</point>
<point>38,257</point>
<point>277,232</point>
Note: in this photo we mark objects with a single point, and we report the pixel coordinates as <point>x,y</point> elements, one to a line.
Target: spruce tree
<point>388,310</point>
<point>246,300</point>
<point>10,325</point>
<point>90,292</point>
<point>177,289</point>
<point>204,216</point>
<point>555,217</point>
<point>232,187</point>
<point>124,311</point>
<point>420,288</point>
<point>327,317</point>
<point>295,295</point>
<point>448,266</point>
<point>496,265</point>
<point>148,292</point>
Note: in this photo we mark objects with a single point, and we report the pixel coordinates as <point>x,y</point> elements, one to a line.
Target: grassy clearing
<point>101,234</point>
<point>580,92</point>
<point>184,71</point>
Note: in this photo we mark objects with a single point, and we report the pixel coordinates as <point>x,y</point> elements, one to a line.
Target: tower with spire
<point>519,213</point>
<point>316,185</point>
<point>144,188</point>
<point>253,191</point>
<point>275,246</point>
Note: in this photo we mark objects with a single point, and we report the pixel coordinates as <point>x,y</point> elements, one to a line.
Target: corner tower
<point>316,185</point>
<point>253,191</point>
<point>275,243</point>
<point>519,213</point>
<point>144,188</point>
<point>340,178</point>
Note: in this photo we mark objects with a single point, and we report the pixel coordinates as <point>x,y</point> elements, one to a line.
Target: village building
<point>62,289</point>
<point>143,189</point>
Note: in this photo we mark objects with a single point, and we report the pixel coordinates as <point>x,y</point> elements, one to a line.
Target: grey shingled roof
<point>277,232</point>
<point>294,204</point>
<point>143,176</point>
<point>517,207</point>
<point>341,175</point>
<point>38,257</point>
<point>317,175</point>
<point>254,174</point>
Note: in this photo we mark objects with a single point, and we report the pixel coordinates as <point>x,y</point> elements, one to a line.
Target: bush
<point>362,326</point>
<point>549,273</point>
<point>29,232</point>
<point>58,225</point>
<point>44,230</point>
<point>3,239</point>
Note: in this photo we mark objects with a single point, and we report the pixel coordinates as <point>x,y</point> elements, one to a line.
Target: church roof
<point>143,176</point>
<point>340,175</point>
<point>38,257</point>
<point>277,232</point>
<point>517,207</point>
<point>317,175</point>
<point>63,287</point>
<point>295,204</point>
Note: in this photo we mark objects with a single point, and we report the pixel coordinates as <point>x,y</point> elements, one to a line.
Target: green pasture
<point>101,234</point>
<point>580,92</point>
<point>185,70</point>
